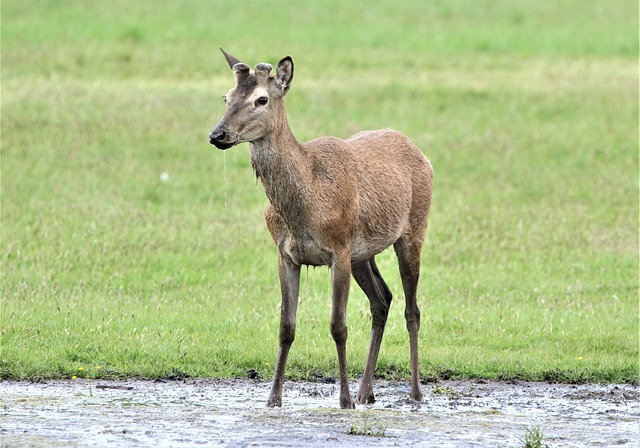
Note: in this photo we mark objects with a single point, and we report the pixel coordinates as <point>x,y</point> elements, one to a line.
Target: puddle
<point>203,413</point>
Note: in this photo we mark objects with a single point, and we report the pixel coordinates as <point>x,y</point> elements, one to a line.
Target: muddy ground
<point>202,413</point>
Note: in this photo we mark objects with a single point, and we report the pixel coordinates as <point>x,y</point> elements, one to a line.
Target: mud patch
<point>197,413</point>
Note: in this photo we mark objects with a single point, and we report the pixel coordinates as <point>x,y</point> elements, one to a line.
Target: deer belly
<point>307,251</point>
<point>363,248</point>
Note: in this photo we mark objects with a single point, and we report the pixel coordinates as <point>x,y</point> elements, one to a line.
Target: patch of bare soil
<point>203,413</point>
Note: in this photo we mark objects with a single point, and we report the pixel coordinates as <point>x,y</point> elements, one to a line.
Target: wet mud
<point>203,413</point>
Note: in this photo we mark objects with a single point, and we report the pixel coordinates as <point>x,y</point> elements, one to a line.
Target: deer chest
<point>304,249</point>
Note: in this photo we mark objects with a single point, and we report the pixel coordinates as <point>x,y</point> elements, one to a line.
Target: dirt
<point>202,413</point>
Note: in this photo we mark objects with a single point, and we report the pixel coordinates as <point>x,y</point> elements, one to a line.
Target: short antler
<point>231,60</point>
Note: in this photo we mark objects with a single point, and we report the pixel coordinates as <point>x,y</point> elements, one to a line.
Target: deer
<point>335,203</point>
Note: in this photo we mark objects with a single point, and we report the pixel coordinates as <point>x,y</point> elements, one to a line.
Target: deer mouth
<point>220,145</point>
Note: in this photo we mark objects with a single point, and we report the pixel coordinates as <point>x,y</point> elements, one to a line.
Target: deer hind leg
<point>369,279</point>
<point>289,284</point>
<point>408,252</point>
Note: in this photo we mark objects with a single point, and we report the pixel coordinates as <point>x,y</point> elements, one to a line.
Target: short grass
<point>534,438</point>
<point>527,110</point>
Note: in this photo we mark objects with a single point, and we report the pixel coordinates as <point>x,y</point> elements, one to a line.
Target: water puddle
<point>197,413</point>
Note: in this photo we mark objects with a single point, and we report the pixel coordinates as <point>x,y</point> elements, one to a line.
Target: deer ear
<point>230,59</point>
<point>284,74</point>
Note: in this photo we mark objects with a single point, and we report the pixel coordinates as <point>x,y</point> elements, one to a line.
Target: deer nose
<point>221,139</point>
<point>217,136</point>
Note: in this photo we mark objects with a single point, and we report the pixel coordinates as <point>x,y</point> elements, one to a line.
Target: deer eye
<point>263,100</point>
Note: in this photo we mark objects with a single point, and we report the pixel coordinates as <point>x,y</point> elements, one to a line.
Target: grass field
<point>528,112</point>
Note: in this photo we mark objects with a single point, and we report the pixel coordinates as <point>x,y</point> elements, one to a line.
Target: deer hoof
<point>417,396</point>
<point>365,398</point>
<point>347,403</point>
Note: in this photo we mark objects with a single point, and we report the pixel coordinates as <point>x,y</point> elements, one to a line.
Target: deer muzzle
<point>222,138</point>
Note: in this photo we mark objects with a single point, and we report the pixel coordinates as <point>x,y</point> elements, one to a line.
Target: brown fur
<point>332,202</point>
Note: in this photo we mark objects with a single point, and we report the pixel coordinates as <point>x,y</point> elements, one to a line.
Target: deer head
<point>254,105</point>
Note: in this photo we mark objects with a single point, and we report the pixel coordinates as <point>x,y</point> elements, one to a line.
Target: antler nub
<point>263,69</point>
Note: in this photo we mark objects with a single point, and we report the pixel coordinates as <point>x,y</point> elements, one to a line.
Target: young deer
<point>332,202</point>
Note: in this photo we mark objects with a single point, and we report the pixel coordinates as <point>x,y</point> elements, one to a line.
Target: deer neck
<point>279,161</point>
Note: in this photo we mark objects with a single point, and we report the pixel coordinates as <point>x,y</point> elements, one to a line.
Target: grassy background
<point>527,110</point>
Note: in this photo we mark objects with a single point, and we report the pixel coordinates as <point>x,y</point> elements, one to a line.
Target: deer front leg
<point>289,285</point>
<point>341,278</point>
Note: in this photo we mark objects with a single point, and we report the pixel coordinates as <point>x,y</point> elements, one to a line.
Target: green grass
<point>534,438</point>
<point>369,427</point>
<point>528,112</point>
